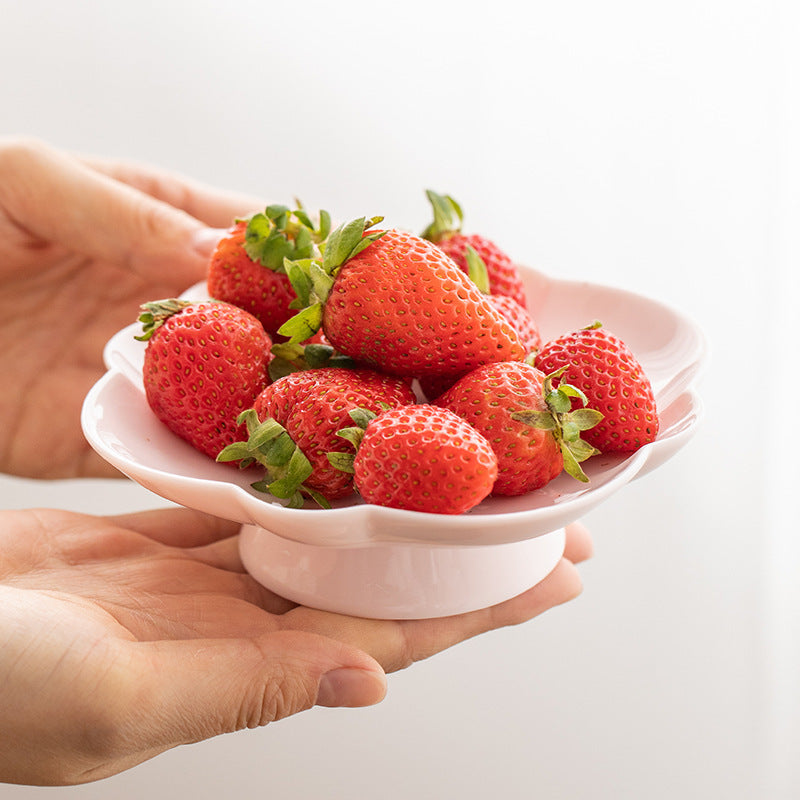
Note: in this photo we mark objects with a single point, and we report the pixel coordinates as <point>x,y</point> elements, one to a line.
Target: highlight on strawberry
<point>395,302</point>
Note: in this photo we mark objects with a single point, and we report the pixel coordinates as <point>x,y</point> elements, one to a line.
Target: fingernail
<point>350,687</point>
<point>205,240</point>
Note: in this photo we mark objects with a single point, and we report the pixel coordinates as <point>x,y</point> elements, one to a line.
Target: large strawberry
<point>420,458</point>
<point>445,231</point>
<point>247,268</point>
<point>528,423</point>
<point>394,301</point>
<point>602,366</point>
<point>295,425</point>
<point>205,363</point>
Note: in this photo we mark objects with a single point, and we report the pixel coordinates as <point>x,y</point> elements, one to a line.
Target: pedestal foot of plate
<point>398,580</point>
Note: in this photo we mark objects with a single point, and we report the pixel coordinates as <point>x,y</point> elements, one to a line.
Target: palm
<point>57,310</point>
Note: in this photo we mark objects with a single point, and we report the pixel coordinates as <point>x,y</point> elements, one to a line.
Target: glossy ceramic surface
<point>120,426</point>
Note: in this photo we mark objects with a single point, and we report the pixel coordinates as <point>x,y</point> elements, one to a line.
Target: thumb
<point>202,689</point>
<point>64,201</point>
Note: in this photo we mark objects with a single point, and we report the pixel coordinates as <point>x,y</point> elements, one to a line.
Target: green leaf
<point>297,470</point>
<point>582,450</point>
<point>234,452</point>
<point>300,278</point>
<point>477,269</point>
<point>447,216</point>
<point>362,416</point>
<point>536,419</point>
<point>318,355</point>
<point>353,435</point>
<point>317,497</point>
<point>279,214</point>
<point>341,243</point>
<point>321,281</point>
<point>324,226</point>
<point>585,418</point>
<point>279,451</point>
<point>155,314</point>
<point>573,391</point>
<point>266,432</point>
<point>571,465</point>
<point>342,461</point>
<point>303,325</point>
<point>558,402</point>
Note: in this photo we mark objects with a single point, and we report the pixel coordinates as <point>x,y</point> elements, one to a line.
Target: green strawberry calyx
<point>447,217</point>
<point>361,417</point>
<point>278,233</point>
<point>155,314</point>
<point>312,278</point>
<point>286,466</point>
<point>291,357</point>
<point>565,424</point>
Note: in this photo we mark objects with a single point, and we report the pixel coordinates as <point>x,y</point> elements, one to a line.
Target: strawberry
<point>204,364</point>
<point>607,372</point>
<point>421,458</point>
<point>445,232</point>
<point>523,323</point>
<point>246,269</point>
<point>310,407</point>
<point>395,302</point>
<point>528,424</point>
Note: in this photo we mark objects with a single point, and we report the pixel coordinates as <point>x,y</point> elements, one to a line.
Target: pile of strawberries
<point>404,368</point>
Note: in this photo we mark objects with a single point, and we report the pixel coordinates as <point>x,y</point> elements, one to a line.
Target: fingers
<point>578,546</point>
<point>177,527</point>
<point>214,207</point>
<point>60,199</point>
<point>397,644</point>
<point>196,690</point>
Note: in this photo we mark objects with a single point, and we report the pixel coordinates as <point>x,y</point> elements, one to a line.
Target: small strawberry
<point>394,301</point>
<point>310,407</point>
<point>529,425</point>
<point>420,458</point>
<point>445,232</point>
<point>247,270</point>
<point>608,373</point>
<point>204,364</point>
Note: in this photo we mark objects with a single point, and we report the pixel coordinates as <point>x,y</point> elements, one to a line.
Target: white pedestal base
<point>398,580</point>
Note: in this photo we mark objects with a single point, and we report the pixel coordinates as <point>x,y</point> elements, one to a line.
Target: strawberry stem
<point>566,425</point>
<point>447,217</point>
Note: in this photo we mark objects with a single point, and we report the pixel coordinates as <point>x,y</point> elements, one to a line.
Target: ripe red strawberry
<point>423,458</point>
<point>523,322</point>
<point>311,407</point>
<point>247,268</point>
<point>513,406</point>
<point>204,364</point>
<point>394,301</point>
<point>607,372</point>
<point>445,231</point>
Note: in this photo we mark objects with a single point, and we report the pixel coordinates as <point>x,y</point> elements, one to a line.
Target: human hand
<point>83,242</point>
<point>121,637</point>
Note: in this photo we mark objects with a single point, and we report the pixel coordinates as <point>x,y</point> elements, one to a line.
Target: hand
<point>122,637</point>
<point>82,244</point>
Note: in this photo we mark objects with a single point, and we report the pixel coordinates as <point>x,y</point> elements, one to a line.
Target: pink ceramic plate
<point>381,562</point>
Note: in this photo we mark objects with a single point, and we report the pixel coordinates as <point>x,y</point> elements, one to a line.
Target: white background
<point>646,145</point>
